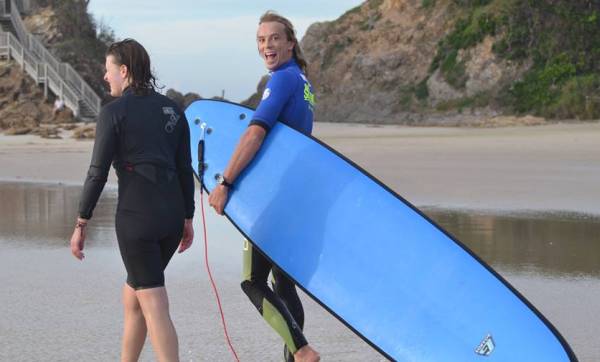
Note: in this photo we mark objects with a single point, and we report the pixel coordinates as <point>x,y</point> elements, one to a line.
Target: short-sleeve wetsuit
<point>146,138</point>
<point>287,98</point>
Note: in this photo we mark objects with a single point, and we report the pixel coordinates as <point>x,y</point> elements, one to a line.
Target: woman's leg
<point>155,306</point>
<point>134,328</point>
<point>149,228</point>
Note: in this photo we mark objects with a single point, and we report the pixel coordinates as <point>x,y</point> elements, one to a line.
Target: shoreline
<point>518,213</point>
<point>526,169</point>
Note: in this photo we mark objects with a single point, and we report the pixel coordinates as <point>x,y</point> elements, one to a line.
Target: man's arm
<point>244,152</point>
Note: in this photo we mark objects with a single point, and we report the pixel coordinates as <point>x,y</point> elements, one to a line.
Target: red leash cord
<point>212,282</point>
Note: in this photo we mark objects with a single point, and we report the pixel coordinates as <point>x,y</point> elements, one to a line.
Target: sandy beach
<point>512,170</point>
<point>538,168</point>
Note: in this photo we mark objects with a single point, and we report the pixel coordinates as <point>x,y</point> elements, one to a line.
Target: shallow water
<point>55,308</point>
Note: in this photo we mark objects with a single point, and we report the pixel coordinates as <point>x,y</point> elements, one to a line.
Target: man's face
<point>273,45</point>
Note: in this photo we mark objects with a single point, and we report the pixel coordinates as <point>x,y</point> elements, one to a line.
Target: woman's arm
<point>102,156</point>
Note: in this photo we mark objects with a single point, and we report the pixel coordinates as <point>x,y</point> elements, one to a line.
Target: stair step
<point>86,111</point>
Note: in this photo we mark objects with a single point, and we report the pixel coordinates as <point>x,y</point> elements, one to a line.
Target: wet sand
<point>56,308</point>
<point>540,168</point>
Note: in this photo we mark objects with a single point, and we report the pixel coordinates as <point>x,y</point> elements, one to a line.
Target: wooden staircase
<point>58,77</point>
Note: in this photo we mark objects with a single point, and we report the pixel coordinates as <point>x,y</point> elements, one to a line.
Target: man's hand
<point>244,152</point>
<point>218,198</point>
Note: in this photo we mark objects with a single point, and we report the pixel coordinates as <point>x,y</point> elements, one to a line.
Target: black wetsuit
<point>146,138</point>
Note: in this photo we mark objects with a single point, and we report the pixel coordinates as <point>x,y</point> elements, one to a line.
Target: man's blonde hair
<point>271,16</point>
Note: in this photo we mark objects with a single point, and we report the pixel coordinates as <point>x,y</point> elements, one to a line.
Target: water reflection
<point>44,215</point>
<point>554,260</point>
<point>543,243</point>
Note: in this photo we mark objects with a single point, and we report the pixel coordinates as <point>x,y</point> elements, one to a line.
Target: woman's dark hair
<point>290,32</point>
<point>132,54</point>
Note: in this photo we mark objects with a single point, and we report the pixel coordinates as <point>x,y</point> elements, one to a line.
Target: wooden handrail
<point>33,52</point>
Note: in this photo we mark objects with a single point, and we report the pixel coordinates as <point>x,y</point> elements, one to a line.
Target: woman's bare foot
<point>306,354</point>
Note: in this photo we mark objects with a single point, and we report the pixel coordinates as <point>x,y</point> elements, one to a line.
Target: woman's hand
<point>78,239</point>
<point>188,236</point>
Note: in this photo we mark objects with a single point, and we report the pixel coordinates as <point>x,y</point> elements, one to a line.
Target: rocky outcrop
<point>87,131</point>
<point>426,61</point>
<point>484,72</point>
<point>371,64</point>
<point>183,101</point>
<point>23,109</point>
<point>69,31</point>
<point>366,65</point>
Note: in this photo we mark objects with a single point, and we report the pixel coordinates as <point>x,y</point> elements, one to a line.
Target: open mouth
<point>270,56</point>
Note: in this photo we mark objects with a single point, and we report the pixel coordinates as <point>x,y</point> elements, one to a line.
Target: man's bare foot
<point>306,354</point>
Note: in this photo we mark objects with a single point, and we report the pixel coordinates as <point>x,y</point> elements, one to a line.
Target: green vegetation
<point>471,3</point>
<point>375,4</point>
<point>454,71</point>
<point>421,90</point>
<point>542,87</point>
<point>412,97</point>
<point>369,22</point>
<point>467,32</point>
<point>460,104</point>
<point>579,97</point>
<point>354,10</point>
<point>427,4</point>
<point>561,39</point>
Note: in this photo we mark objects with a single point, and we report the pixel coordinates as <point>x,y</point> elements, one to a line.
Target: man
<point>287,98</point>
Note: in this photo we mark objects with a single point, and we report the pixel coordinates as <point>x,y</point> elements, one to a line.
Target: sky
<point>207,46</point>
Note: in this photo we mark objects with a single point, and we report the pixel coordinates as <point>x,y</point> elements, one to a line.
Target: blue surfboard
<point>368,256</point>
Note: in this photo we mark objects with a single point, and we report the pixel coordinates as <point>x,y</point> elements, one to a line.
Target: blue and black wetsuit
<point>288,98</point>
<point>146,138</point>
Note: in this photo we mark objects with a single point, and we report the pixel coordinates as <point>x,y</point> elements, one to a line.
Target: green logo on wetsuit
<point>308,95</point>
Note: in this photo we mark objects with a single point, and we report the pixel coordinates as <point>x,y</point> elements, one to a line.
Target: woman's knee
<point>153,300</point>
<point>130,301</point>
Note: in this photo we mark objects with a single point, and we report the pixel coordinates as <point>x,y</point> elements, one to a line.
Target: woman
<point>287,98</point>
<point>146,138</point>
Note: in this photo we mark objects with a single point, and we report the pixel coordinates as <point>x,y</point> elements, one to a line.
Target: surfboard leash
<point>212,282</point>
<point>201,168</point>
